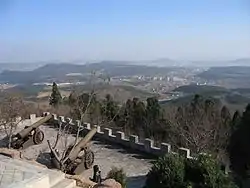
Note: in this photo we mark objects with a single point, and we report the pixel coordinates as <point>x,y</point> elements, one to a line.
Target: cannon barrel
<point>23,133</point>
<point>77,149</point>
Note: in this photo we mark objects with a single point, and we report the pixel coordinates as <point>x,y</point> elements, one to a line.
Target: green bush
<point>205,172</point>
<point>167,172</point>
<point>175,171</point>
<point>118,175</point>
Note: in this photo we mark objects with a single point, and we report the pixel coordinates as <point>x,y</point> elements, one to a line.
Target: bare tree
<point>81,105</point>
<point>12,110</point>
<point>199,127</point>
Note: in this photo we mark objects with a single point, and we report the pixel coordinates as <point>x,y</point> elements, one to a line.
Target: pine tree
<point>225,116</point>
<point>55,98</point>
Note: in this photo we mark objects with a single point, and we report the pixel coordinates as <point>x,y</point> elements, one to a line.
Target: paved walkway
<point>106,156</point>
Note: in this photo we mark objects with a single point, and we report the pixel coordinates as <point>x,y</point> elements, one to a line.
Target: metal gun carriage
<point>77,158</point>
<point>30,135</point>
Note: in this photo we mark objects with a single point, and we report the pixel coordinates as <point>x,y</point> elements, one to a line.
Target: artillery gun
<point>77,158</point>
<point>30,135</point>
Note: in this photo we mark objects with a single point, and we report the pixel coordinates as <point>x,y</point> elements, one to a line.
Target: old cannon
<point>30,135</point>
<point>77,158</point>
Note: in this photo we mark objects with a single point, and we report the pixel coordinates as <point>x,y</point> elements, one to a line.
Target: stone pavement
<point>106,156</point>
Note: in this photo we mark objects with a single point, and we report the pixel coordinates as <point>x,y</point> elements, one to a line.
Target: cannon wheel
<point>38,137</point>
<point>89,159</point>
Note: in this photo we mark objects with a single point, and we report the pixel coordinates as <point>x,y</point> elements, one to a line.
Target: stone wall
<point>118,137</point>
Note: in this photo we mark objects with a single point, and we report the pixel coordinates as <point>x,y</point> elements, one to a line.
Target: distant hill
<point>56,72</point>
<point>120,92</point>
<point>233,98</point>
<point>19,66</point>
<point>202,89</point>
<point>234,103</point>
<point>231,77</point>
<point>235,62</point>
<point>232,72</point>
<point>186,99</point>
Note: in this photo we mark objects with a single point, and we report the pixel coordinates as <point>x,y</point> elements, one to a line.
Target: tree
<point>156,124</point>
<point>173,170</point>
<point>167,172</point>
<point>12,110</point>
<point>109,108</point>
<point>200,127</point>
<point>225,116</point>
<point>206,172</point>
<point>235,121</point>
<point>55,98</point>
<point>152,110</point>
<point>225,127</point>
<point>83,105</point>
<point>133,117</point>
<point>239,145</point>
<point>139,117</point>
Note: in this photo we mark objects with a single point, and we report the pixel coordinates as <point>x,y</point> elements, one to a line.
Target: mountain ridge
<point>52,71</point>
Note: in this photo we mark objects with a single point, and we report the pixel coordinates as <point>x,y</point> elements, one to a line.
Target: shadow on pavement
<point>136,181</point>
<point>44,159</point>
<point>121,149</point>
<point>4,142</point>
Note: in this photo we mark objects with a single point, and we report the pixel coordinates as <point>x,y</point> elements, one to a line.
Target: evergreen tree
<point>55,98</point>
<point>153,109</point>
<point>139,116</point>
<point>72,99</point>
<point>167,171</point>
<point>173,170</point>
<point>225,116</point>
<point>110,108</point>
<point>239,146</point>
<point>235,121</point>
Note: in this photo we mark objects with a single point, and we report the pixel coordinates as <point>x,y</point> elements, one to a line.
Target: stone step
<point>33,182</point>
<point>65,183</point>
<point>22,164</point>
<point>54,175</point>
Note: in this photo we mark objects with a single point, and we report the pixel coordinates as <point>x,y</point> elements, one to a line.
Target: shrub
<point>175,171</point>
<point>167,172</point>
<point>118,175</point>
<point>205,172</point>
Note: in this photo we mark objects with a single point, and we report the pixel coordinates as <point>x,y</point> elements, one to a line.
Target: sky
<point>66,30</point>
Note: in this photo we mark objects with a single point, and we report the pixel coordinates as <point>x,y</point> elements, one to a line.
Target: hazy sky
<point>41,30</point>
